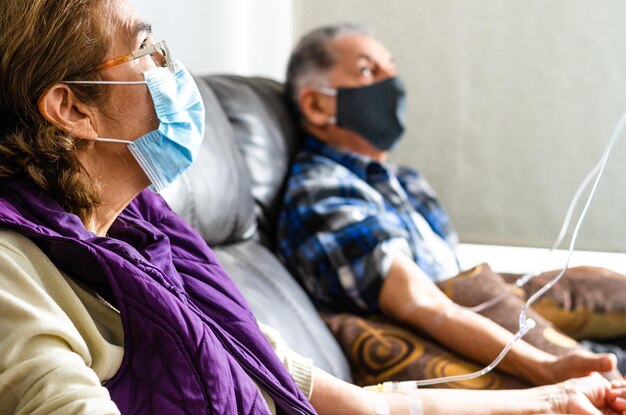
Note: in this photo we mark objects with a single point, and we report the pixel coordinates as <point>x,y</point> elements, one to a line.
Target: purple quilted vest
<point>192,345</point>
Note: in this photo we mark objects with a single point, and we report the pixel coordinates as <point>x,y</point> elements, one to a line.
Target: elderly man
<point>364,236</point>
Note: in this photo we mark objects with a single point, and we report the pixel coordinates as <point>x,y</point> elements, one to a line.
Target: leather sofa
<point>232,196</point>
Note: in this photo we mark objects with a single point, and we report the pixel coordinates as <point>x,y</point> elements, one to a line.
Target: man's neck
<point>346,140</point>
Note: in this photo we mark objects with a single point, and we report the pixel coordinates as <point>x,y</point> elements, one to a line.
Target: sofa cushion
<point>267,137</point>
<point>587,303</point>
<point>278,301</point>
<point>214,194</point>
<point>480,284</point>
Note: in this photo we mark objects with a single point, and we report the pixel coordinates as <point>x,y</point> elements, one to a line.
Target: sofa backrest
<point>267,138</point>
<point>214,195</point>
<point>241,170</point>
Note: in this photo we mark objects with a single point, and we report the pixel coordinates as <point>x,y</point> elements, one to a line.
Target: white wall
<point>247,37</point>
<point>511,103</point>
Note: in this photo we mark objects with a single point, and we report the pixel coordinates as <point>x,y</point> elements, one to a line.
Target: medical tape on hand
<point>414,405</point>
<point>381,406</point>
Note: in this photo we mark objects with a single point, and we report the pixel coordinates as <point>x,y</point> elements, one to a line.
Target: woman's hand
<point>593,395</point>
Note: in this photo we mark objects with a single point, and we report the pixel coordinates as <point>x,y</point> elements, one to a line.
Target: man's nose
<point>386,71</point>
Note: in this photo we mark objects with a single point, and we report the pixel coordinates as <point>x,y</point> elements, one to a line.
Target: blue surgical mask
<point>165,153</point>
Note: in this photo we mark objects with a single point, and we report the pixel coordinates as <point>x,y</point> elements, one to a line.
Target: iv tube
<point>525,323</point>
<point>521,281</point>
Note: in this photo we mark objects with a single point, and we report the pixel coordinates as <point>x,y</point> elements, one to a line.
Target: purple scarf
<point>191,343</point>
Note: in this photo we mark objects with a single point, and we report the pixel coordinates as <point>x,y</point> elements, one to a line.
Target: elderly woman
<point>109,302</point>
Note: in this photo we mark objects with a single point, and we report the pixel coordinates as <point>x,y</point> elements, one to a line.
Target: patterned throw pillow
<point>379,351</point>
<point>587,303</point>
<point>479,284</point>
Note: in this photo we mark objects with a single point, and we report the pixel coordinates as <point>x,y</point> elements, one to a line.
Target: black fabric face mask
<point>376,112</point>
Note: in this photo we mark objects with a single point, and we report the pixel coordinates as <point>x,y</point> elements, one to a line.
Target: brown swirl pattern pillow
<point>379,351</point>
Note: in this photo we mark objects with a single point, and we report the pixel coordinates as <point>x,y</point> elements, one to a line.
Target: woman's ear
<point>316,108</point>
<point>65,111</point>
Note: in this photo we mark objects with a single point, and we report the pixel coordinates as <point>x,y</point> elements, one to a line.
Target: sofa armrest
<point>519,260</point>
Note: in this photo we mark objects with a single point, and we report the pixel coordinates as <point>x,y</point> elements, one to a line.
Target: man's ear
<point>65,111</point>
<point>317,109</point>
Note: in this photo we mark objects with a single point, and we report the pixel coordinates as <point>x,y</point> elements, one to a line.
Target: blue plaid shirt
<point>344,218</point>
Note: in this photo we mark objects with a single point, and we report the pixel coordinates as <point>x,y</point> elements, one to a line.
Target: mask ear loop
<point>113,140</point>
<point>106,82</point>
<point>104,139</point>
<point>331,92</point>
<point>525,323</point>
<point>326,90</point>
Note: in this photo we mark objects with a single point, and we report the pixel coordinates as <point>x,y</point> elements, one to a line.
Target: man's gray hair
<point>312,58</point>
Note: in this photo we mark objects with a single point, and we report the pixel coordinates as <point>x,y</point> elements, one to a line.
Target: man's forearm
<point>413,299</point>
<point>480,339</point>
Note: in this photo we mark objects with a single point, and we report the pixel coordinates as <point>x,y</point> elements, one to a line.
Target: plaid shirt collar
<point>358,164</point>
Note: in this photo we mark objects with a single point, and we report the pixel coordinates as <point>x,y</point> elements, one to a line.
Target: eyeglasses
<point>160,48</point>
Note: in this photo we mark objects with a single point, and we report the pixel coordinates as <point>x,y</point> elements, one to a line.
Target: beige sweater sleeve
<point>300,368</point>
<point>48,342</point>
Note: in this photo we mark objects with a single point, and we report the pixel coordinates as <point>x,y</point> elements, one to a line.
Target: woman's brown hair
<point>44,42</point>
